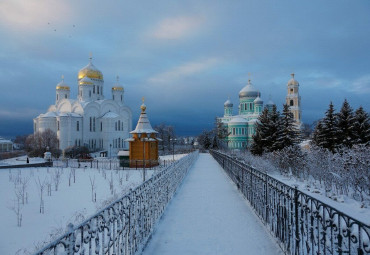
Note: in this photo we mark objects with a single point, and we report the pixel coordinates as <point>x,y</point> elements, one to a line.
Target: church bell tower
<point>293,99</point>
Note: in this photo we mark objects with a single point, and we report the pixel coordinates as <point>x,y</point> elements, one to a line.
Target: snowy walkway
<point>209,216</point>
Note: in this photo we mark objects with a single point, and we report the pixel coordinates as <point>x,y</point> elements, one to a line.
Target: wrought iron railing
<point>124,226</point>
<point>301,223</point>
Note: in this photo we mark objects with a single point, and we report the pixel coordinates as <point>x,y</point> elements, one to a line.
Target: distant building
<point>241,127</point>
<point>144,143</point>
<point>293,99</point>
<point>5,145</point>
<point>91,120</point>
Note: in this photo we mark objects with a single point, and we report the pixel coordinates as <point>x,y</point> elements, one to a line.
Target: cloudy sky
<point>185,57</point>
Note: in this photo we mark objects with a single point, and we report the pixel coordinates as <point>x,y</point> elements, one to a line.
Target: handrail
<point>301,223</point>
<point>124,226</point>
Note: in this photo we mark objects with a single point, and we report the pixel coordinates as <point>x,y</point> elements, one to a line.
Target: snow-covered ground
<point>343,203</point>
<point>209,216</point>
<point>20,161</point>
<point>69,204</point>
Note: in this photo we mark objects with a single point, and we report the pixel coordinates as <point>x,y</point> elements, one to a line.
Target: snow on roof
<point>123,153</point>
<point>2,140</point>
<point>238,120</point>
<point>143,125</point>
<point>110,115</point>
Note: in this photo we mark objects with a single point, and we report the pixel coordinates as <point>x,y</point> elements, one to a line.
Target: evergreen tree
<point>345,121</point>
<point>261,128</point>
<point>361,127</point>
<point>289,134</point>
<point>330,130</point>
<point>275,132</point>
<point>317,136</point>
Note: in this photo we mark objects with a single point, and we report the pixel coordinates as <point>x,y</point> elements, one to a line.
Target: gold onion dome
<point>90,71</point>
<point>86,81</point>
<point>62,85</point>
<point>117,86</point>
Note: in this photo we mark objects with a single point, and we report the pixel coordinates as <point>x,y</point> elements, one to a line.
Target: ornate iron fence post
<point>297,237</point>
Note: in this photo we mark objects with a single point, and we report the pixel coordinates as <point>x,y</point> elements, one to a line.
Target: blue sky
<point>185,57</point>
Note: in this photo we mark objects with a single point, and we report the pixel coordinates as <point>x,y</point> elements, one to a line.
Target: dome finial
<point>62,77</point>
<point>143,106</point>
<point>117,79</point>
<point>90,57</point>
<point>292,74</point>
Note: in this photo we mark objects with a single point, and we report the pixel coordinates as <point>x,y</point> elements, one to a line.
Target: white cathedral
<point>90,120</point>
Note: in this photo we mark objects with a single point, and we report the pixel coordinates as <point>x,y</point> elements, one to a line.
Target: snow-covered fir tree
<point>361,127</point>
<point>289,135</point>
<point>259,142</point>
<point>330,130</point>
<point>345,121</point>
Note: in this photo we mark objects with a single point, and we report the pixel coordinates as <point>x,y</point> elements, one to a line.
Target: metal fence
<point>124,226</point>
<point>301,223</point>
<point>114,164</point>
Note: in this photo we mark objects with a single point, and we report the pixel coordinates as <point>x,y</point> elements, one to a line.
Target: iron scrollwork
<point>302,224</point>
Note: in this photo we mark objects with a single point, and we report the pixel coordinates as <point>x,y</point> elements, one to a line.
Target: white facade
<point>90,120</point>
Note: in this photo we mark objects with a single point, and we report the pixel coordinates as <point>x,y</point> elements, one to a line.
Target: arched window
<point>121,98</point>
<point>291,102</point>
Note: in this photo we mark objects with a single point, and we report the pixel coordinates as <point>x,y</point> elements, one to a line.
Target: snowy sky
<point>186,57</point>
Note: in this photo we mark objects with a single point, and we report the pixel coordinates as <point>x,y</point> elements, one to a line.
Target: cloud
<point>176,28</point>
<point>361,85</point>
<point>31,16</point>
<point>184,70</point>
<point>20,113</point>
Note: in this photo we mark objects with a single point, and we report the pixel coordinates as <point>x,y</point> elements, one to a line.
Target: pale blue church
<point>241,127</point>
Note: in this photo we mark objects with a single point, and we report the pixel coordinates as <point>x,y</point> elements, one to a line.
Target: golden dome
<point>62,85</point>
<point>86,81</point>
<point>117,86</point>
<point>90,71</point>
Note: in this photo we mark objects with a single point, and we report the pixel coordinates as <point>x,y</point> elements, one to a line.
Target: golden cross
<point>117,78</point>
<point>62,77</point>
<point>143,99</point>
<point>90,54</point>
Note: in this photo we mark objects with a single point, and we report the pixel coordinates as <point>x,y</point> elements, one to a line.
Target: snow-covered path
<point>209,216</point>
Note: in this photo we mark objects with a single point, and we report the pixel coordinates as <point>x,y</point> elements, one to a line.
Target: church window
<point>57,97</point>
<point>291,90</point>
<point>119,142</point>
<point>98,89</point>
<point>233,131</point>
<point>65,96</point>
<point>113,97</point>
<point>101,126</point>
<point>78,126</point>
<point>251,106</point>
<point>291,103</point>
<point>242,131</point>
<point>89,93</point>
<point>79,142</point>
<point>115,124</point>
<point>90,124</point>
<point>76,142</point>
<point>58,125</point>
<point>121,98</point>
<point>94,89</point>
<point>119,125</point>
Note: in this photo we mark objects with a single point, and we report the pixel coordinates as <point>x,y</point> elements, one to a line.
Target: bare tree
<point>93,188</point>
<point>17,207</point>
<point>37,144</point>
<point>56,178</point>
<point>41,186</point>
